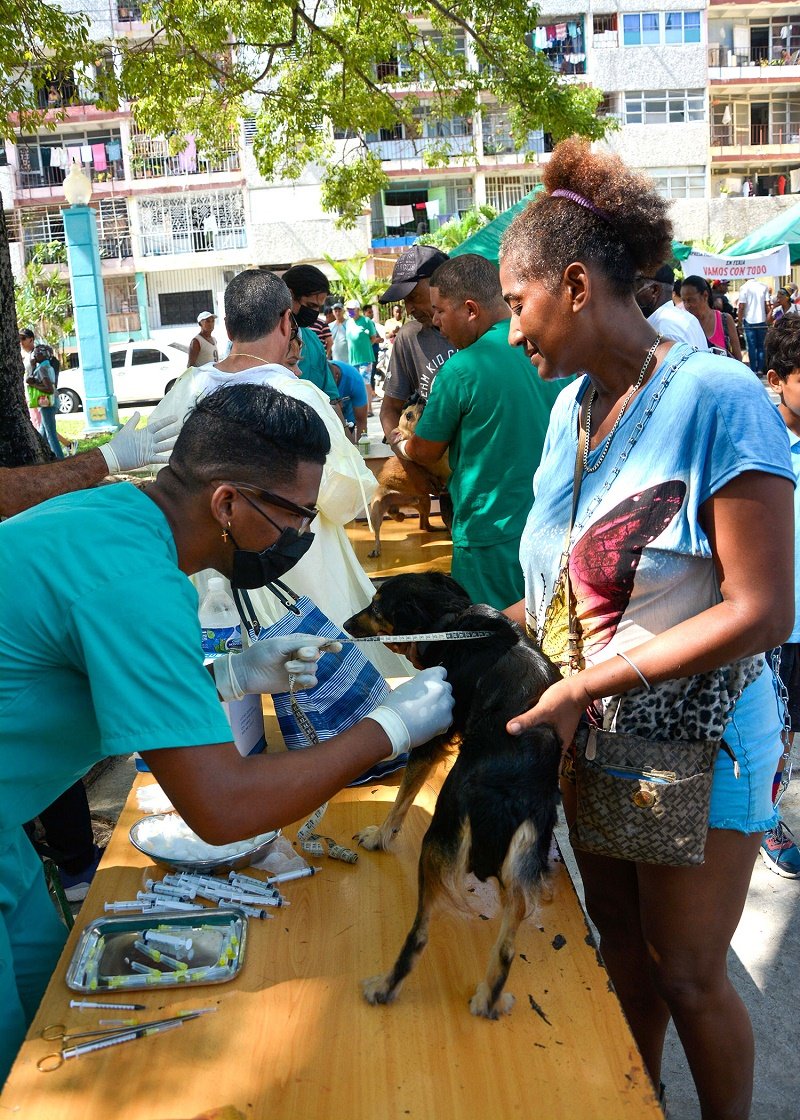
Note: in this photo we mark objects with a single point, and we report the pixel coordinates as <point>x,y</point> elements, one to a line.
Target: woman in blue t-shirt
<point>679,569</point>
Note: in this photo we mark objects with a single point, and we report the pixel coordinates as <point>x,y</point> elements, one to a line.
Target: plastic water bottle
<point>221,629</point>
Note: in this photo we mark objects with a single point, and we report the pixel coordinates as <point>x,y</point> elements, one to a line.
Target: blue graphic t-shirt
<point>639,559</point>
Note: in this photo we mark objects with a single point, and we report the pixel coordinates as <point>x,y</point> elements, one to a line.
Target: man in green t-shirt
<point>490,410</point>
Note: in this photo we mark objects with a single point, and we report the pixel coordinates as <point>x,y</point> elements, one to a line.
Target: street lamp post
<point>88,301</point>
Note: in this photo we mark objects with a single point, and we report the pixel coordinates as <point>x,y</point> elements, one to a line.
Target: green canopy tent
<point>486,242</point>
<point>783,229</point>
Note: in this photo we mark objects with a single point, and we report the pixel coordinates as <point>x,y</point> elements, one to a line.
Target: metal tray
<point>102,958</point>
<point>199,866</point>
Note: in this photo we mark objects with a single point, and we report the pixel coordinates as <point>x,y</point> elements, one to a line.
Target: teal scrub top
<point>488,403</point>
<point>360,334</point>
<point>313,364</point>
<point>99,644</point>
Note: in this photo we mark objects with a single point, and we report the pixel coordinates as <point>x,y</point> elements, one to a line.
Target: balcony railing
<point>112,246</point>
<point>192,241</point>
<point>54,176</point>
<point>413,150</point>
<point>149,161</point>
<point>754,136</point>
<point>754,59</point>
<point>499,142</point>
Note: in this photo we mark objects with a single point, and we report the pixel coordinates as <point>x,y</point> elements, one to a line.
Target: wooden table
<point>293,1039</point>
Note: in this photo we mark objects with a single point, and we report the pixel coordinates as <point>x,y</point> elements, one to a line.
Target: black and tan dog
<point>402,482</point>
<point>497,807</point>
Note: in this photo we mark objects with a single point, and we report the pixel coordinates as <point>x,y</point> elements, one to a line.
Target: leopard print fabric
<point>698,707</point>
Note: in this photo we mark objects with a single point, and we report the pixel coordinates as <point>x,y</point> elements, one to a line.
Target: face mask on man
<point>253,569</point>
<point>306,316</point>
<point>257,569</point>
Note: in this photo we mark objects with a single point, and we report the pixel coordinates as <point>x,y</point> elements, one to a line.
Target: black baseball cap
<point>26,332</point>
<point>417,263</point>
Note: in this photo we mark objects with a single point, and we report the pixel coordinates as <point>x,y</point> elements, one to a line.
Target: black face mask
<point>306,316</point>
<point>257,569</point>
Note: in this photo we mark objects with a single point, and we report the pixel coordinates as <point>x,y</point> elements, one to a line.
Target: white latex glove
<point>265,666</point>
<point>416,711</point>
<point>131,447</point>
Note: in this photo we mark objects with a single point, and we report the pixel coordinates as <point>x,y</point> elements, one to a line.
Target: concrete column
<point>91,325</point>
<point>141,299</point>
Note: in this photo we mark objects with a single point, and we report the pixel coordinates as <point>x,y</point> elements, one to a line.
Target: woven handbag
<point>643,800</point>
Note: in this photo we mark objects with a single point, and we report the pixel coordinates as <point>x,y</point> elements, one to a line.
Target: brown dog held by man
<point>497,807</point>
<point>404,483</point>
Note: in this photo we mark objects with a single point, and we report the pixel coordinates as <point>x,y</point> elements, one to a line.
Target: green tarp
<point>783,229</point>
<point>486,242</point>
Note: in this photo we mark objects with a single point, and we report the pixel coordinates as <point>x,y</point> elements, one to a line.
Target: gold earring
<point>225,534</point>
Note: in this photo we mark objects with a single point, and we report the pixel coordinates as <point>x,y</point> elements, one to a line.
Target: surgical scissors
<point>100,1039</point>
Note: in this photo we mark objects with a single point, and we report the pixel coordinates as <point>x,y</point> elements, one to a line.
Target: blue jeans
<point>49,429</point>
<point>755,335</point>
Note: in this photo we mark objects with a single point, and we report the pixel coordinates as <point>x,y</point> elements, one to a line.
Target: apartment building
<point>173,228</point>
<point>704,94</point>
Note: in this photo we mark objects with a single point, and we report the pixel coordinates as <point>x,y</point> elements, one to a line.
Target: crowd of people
<point>619,487</point>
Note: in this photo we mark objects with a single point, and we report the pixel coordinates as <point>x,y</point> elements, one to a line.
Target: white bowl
<point>185,851</point>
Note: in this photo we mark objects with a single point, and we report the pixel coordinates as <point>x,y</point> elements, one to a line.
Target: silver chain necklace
<point>634,389</point>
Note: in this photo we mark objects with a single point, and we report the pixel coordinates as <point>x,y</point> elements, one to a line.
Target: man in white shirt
<point>654,297</point>
<point>753,302</point>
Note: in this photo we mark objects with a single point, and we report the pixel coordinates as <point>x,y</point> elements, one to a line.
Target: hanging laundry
<point>432,208</point>
<point>727,117</point>
<point>58,157</point>
<point>540,38</point>
<point>187,159</point>
<point>114,150</point>
<point>99,157</point>
<point>24,157</point>
<point>74,155</point>
<point>550,31</point>
<point>794,180</point>
<point>391,216</point>
<point>406,215</point>
<point>86,153</point>
<point>561,31</point>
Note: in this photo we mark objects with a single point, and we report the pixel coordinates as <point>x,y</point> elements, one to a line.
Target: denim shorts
<point>754,734</point>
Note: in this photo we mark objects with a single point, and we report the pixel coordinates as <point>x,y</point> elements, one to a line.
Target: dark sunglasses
<point>305,513</point>
<point>294,333</point>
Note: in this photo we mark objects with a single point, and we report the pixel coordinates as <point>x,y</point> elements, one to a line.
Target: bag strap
<point>575,631</point>
<point>247,612</point>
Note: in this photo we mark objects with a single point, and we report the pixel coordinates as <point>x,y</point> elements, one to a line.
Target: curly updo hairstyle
<point>624,232</point>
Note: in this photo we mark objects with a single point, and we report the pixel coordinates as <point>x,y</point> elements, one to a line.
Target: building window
<point>641,29</point>
<point>176,309</point>
<point>122,306</point>
<point>503,191</point>
<point>679,182</point>
<point>601,24</point>
<point>681,27</point>
<point>672,106</point>
<point>192,223</point>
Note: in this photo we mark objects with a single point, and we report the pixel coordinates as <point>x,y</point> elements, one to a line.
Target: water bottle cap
<point>216,583</point>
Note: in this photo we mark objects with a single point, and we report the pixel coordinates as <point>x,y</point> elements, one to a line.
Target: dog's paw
<point>479,1004</point>
<point>376,990</point>
<point>373,839</point>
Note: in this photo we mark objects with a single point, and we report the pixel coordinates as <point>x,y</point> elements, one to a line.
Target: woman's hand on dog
<point>560,706</point>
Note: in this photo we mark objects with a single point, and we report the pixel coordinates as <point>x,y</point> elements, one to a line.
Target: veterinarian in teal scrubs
<point>109,661</point>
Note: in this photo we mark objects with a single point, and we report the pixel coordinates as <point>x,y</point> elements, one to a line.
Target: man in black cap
<point>654,297</point>
<point>419,349</point>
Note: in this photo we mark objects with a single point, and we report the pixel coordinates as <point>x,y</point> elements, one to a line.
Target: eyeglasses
<point>305,513</point>
<point>294,333</point>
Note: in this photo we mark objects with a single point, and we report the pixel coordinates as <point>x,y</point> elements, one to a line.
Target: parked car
<point>141,371</point>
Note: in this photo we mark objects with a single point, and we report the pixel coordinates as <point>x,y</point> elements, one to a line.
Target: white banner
<point>772,262</point>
